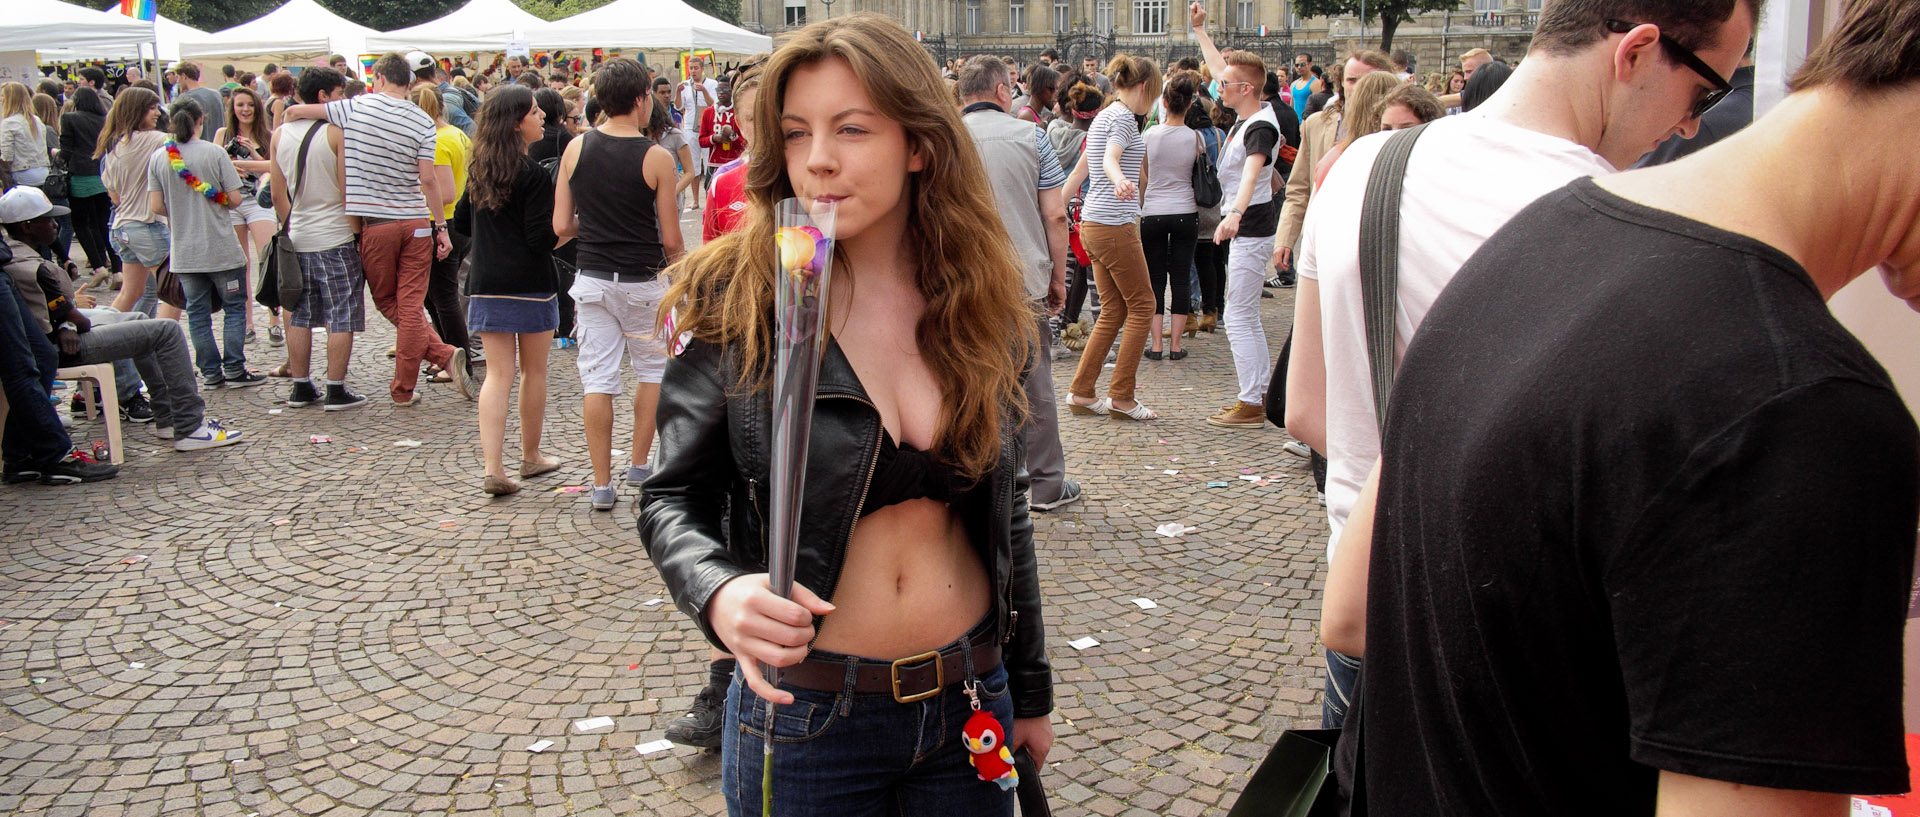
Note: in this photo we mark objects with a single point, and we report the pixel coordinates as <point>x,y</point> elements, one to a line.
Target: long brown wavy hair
<point>126,118</point>
<point>262,130</point>
<point>498,150</point>
<point>976,332</point>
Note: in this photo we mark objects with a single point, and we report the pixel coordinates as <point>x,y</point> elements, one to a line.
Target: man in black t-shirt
<point>1646,510</point>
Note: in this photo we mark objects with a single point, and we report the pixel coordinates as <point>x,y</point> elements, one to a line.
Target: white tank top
<point>319,214</point>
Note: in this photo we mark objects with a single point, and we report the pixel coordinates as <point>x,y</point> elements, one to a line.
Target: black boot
<point>700,727</point>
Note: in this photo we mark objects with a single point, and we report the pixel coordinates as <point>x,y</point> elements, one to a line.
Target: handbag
<point>282,286</point>
<point>167,286</point>
<point>1206,177</point>
<point>1296,779</point>
<point>59,184</point>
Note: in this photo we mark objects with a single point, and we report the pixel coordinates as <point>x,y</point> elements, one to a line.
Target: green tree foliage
<point>1390,13</point>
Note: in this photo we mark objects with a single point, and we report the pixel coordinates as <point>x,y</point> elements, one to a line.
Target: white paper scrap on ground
<point>1083,643</point>
<point>1251,477</point>
<point>540,746</point>
<point>1170,472</point>
<point>406,443</point>
<point>1145,604</point>
<point>136,665</point>
<point>656,746</point>
<point>273,411</point>
<point>591,724</point>
<point>1173,529</point>
<point>651,602</point>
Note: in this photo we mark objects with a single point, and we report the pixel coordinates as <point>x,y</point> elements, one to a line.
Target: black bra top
<point>903,472</point>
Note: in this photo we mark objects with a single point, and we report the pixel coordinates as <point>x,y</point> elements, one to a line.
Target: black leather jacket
<point>714,454</point>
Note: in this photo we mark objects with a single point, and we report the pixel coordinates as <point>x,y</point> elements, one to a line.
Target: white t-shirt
<point>1467,177</point>
<point>386,139</point>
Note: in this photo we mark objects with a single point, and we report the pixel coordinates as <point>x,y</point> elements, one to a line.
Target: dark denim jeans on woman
<point>841,754</point>
<point>202,289</point>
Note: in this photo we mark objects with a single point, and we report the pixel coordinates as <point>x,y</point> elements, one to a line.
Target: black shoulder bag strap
<point>1380,262</point>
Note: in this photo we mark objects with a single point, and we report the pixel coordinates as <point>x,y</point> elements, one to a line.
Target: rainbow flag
<point>140,9</point>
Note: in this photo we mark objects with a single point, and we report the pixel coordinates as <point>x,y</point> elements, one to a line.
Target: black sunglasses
<point>1685,56</point>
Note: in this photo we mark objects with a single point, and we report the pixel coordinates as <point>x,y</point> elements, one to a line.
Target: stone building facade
<point>1024,28</point>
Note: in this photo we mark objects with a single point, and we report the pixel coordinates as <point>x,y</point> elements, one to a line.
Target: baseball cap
<point>417,60</point>
<point>26,203</point>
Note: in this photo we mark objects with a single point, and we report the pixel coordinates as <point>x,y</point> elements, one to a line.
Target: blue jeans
<point>33,435</point>
<point>840,754</point>
<point>1343,680</point>
<point>201,289</point>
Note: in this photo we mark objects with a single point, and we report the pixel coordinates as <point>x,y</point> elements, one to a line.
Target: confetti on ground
<point>136,665</point>
<point>448,523</point>
<point>1145,604</point>
<point>1170,472</point>
<point>1173,529</point>
<point>591,724</point>
<point>406,443</point>
<point>317,439</point>
<point>134,560</point>
<point>656,746</point>
<point>540,746</point>
<point>1246,470</point>
<point>631,667</point>
<point>1083,643</point>
<point>39,680</point>
<point>651,602</point>
<point>279,522</point>
<point>273,411</point>
<point>1250,477</point>
<point>1216,485</point>
<point>569,489</point>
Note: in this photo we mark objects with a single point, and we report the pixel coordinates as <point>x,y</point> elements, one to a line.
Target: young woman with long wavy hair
<point>137,234</point>
<point>513,304</point>
<point>248,138</point>
<point>916,544</point>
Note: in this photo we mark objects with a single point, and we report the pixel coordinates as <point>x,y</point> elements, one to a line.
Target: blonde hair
<point>16,99</point>
<point>48,111</point>
<point>976,332</point>
<point>1128,71</point>
<point>1362,112</point>
<point>427,98</point>
<point>1478,52</point>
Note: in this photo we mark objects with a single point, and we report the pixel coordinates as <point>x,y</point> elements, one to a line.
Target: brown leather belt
<point>914,678</point>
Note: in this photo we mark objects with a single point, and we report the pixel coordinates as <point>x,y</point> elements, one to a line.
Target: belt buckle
<point>939,676</point>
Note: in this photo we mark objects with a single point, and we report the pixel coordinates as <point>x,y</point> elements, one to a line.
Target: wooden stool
<point>108,407</point>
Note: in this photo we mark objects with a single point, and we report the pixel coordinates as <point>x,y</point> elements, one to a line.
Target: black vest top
<point>619,226</point>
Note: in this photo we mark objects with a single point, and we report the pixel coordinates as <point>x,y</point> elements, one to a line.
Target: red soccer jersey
<point>720,152</point>
<point>726,202</point>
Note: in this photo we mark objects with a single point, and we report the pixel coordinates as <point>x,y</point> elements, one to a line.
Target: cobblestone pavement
<point>285,627</point>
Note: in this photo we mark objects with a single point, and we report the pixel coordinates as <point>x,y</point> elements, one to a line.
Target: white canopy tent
<point>480,25</point>
<point>170,33</point>
<point>299,28</point>
<point>54,26</point>
<point>647,24</point>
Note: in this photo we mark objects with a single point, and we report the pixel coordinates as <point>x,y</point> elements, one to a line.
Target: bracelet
<point>1233,211</point>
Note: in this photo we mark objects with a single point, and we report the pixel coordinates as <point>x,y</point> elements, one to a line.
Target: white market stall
<point>647,24</point>
<point>169,32</point>
<point>480,25</point>
<point>299,28</point>
<point>54,26</point>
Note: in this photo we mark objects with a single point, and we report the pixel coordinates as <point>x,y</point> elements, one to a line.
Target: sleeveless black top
<point>619,226</point>
<point>903,472</point>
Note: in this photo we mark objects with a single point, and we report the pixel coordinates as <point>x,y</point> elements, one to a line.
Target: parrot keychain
<point>987,743</point>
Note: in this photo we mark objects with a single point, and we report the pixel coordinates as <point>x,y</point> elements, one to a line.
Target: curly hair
<point>976,333</point>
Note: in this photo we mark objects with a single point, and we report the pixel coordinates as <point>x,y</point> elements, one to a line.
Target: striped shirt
<point>1115,124</point>
<point>1052,175</point>
<point>386,140</point>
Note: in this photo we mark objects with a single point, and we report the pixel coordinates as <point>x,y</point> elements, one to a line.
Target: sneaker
<point>1273,282</point>
<point>409,402</point>
<point>210,434</point>
<point>77,466</point>
<point>163,432</point>
<point>700,727</point>
<point>245,379</point>
<point>461,369</point>
<point>341,398</point>
<point>303,394</point>
<point>637,474</point>
<point>252,336</point>
<point>212,381</point>
<point>276,336</point>
<point>1298,449</point>
<point>137,410</point>
<point>1069,494</point>
<point>1243,415</point>
<point>77,408</point>
<point>16,474</point>
<point>603,498</point>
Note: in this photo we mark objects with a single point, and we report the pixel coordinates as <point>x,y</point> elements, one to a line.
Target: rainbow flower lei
<point>204,189</point>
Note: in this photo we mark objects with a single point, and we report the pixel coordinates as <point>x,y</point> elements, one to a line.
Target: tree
<point>1390,13</point>
<point>385,15</point>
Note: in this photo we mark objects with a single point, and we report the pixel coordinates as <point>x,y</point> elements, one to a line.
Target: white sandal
<point>1138,412</point>
<point>1100,406</point>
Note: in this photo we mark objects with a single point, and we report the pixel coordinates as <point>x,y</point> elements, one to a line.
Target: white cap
<point>417,60</point>
<point>26,203</point>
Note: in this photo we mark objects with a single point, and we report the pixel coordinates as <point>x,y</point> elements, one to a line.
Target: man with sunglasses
<point>1644,540</point>
<point>1728,117</point>
<point>1592,95</point>
<point>1302,85</point>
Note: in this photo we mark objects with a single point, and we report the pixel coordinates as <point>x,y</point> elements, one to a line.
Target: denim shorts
<point>142,242</point>
<point>841,754</point>
<point>526,314</point>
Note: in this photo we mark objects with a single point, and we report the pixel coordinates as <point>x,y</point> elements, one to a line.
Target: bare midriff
<point>912,583</point>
